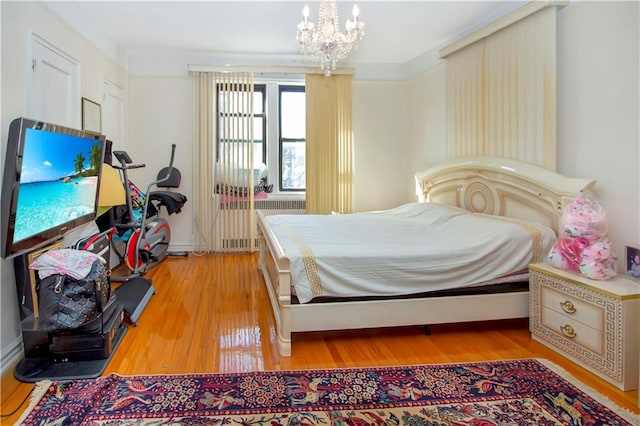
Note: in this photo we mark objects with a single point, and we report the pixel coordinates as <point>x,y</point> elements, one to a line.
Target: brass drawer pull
<point>568,307</point>
<point>568,331</point>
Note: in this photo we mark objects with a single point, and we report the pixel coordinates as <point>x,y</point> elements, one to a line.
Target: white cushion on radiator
<point>237,175</point>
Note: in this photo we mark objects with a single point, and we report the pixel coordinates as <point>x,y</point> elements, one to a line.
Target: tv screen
<point>50,185</point>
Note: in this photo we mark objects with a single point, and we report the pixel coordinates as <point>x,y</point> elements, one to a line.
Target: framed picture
<point>632,262</point>
<point>91,116</point>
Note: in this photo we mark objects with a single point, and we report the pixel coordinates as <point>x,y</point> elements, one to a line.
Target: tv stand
<point>74,354</point>
<point>34,369</point>
<point>83,352</point>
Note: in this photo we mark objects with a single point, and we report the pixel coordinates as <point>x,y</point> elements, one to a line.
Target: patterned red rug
<point>515,392</point>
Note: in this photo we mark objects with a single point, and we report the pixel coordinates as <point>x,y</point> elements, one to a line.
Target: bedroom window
<point>279,132</point>
<point>292,137</point>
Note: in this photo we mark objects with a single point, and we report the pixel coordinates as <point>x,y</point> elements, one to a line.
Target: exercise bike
<point>146,235</point>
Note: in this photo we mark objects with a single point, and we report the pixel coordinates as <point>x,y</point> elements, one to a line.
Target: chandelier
<point>325,42</point>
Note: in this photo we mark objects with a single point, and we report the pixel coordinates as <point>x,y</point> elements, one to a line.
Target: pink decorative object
<point>567,253</point>
<point>598,260</point>
<point>584,245</point>
<point>584,218</point>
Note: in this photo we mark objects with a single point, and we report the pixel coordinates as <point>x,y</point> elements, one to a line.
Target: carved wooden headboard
<point>501,186</point>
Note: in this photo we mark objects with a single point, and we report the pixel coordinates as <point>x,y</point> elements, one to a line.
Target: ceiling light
<point>325,42</point>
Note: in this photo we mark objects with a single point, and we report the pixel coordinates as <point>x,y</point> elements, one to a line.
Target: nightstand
<point>593,323</point>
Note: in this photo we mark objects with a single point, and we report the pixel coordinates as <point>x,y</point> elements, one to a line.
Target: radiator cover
<point>234,230</point>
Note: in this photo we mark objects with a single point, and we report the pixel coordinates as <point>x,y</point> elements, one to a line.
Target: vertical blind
<point>501,93</point>
<point>329,146</point>
<point>205,161</point>
<point>235,220</point>
<point>225,216</point>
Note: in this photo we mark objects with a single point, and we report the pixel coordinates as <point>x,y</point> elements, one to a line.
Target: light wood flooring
<point>211,313</point>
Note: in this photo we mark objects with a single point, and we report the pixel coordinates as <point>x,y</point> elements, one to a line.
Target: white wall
<point>598,108</point>
<point>19,21</point>
<point>380,144</point>
<point>162,112</point>
<point>427,130</point>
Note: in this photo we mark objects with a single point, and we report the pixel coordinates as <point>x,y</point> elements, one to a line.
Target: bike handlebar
<point>173,151</point>
<point>125,161</point>
<point>130,166</point>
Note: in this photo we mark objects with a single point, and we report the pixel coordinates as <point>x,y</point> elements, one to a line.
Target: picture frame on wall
<point>632,262</point>
<point>91,116</point>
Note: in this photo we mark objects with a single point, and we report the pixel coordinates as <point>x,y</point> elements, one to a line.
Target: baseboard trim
<point>11,355</point>
<point>182,247</point>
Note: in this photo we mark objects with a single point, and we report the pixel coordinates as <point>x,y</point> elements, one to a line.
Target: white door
<point>113,114</point>
<point>54,94</point>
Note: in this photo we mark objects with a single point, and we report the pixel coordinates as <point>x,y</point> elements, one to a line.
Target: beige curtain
<point>205,149</point>
<point>329,144</point>
<point>501,93</point>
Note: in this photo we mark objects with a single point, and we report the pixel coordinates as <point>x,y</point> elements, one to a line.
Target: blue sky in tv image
<point>58,180</point>
<point>50,156</point>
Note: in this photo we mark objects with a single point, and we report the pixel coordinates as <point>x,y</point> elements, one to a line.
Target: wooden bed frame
<point>494,186</point>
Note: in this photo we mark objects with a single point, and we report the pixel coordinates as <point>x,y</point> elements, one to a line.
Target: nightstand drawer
<point>572,307</point>
<point>573,332</point>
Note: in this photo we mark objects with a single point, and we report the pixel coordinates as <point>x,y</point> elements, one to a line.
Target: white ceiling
<point>396,32</point>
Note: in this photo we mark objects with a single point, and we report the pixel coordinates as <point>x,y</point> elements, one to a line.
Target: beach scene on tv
<point>58,181</point>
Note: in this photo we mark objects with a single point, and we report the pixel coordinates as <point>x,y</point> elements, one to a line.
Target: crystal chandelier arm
<point>305,13</point>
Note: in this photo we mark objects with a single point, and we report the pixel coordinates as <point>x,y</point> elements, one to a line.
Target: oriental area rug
<point>511,392</point>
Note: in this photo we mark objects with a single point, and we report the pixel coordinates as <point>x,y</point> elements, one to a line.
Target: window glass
<point>293,166</point>
<point>292,138</point>
<point>293,112</point>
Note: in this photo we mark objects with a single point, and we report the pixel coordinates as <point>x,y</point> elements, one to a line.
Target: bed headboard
<point>500,186</point>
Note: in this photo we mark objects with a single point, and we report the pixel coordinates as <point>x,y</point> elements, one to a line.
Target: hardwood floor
<point>211,313</point>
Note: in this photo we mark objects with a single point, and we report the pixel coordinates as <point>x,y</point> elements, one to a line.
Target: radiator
<point>234,229</point>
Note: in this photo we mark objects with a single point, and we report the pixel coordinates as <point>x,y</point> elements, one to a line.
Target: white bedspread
<point>410,249</point>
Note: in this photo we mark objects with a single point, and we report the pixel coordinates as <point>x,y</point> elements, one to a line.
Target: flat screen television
<point>50,184</point>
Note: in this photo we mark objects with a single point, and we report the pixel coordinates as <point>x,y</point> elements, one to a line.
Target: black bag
<point>66,303</point>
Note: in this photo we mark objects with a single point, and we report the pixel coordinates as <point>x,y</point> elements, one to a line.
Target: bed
<point>517,199</point>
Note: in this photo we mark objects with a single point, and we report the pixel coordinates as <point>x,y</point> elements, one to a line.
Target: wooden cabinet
<point>593,323</point>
